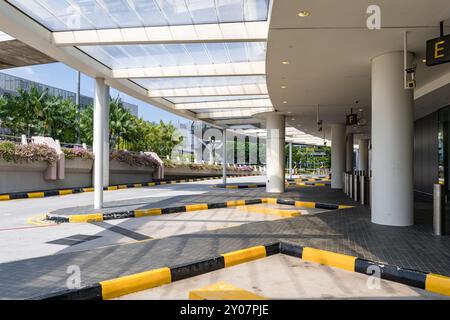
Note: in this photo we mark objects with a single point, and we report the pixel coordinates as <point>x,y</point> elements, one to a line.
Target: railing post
<point>439,210</point>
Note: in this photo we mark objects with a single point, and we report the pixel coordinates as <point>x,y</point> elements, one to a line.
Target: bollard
<point>362,190</point>
<point>346,183</point>
<point>356,187</point>
<point>350,186</point>
<point>439,222</point>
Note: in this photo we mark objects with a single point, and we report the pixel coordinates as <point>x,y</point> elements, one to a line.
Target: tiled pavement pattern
<point>346,231</point>
<point>318,194</point>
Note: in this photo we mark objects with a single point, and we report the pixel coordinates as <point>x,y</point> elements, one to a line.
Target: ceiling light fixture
<point>304,13</point>
<point>284,102</point>
<point>285,62</point>
<point>283,87</point>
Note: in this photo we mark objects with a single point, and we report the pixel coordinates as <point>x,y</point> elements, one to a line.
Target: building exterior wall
<point>426,154</point>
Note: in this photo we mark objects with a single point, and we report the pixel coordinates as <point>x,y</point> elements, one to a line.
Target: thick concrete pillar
<point>99,140</point>
<point>363,163</point>
<point>349,153</point>
<point>275,157</point>
<point>392,142</point>
<point>106,140</point>
<point>338,157</point>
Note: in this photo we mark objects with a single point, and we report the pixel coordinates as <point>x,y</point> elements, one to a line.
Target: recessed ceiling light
<point>283,87</point>
<point>285,62</point>
<point>289,112</point>
<point>284,101</point>
<point>424,60</point>
<point>304,13</point>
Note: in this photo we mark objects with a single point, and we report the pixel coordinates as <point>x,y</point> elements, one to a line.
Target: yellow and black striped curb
<point>62,192</point>
<point>308,184</point>
<point>121,286</point>
<point>309,180</point>
<point>240,186</point>
<point>138,213</point>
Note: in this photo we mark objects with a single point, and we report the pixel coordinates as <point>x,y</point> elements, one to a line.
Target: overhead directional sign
<point>438,51</point>
<point>352,119</point>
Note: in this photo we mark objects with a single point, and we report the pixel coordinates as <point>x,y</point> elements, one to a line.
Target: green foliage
<point>35,112</point>
<point>7,151</point>
<point>77,153</point>
<point>132,133</point>
<point>304,155</point>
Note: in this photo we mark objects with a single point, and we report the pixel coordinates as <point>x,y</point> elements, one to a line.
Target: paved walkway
<point>346,231</point>
<point>316,194</point>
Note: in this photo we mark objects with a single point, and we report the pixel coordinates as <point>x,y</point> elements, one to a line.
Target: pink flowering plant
<point>134,159</point>
<point>12,152</point>
<point>73,153</point>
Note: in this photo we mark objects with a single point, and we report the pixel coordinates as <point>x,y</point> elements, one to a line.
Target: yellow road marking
<point>40,220</point>
<point>276,212</point>
<point>223,291</point>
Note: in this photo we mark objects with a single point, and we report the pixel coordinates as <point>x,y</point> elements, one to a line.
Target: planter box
<point>187,172</point>
<point>79,165</point>
<point>39,166</point>
<point>122,173</point>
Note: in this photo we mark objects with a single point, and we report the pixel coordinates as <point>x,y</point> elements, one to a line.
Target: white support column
<point>106,140</point>
<point>349,153</point>
<point>99,134</point>
<point>392,142</point>
<point>290,160</point>
<point>275,155</point>
<point>363,164</point>
<point>338,146</point>
<point>224,161</point>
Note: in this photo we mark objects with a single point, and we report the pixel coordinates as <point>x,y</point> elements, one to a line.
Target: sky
<point>62,76</point>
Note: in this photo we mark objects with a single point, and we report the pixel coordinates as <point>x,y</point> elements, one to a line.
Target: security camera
<point>411,84</point>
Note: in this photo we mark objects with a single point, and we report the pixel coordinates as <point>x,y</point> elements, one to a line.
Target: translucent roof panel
<point>64,15</point>
<point>196,82</point>
<point>166,55</point>
<point>5,37</point>
<point>214,98</point>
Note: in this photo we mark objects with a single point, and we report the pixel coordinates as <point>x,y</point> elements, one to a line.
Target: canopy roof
<point>201,59</point>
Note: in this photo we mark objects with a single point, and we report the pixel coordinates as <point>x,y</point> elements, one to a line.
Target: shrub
<point>72,153</point>
<point>11,152</point>
<point>134,159</point>
<point>7,151</point>
<point>35,152</point>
